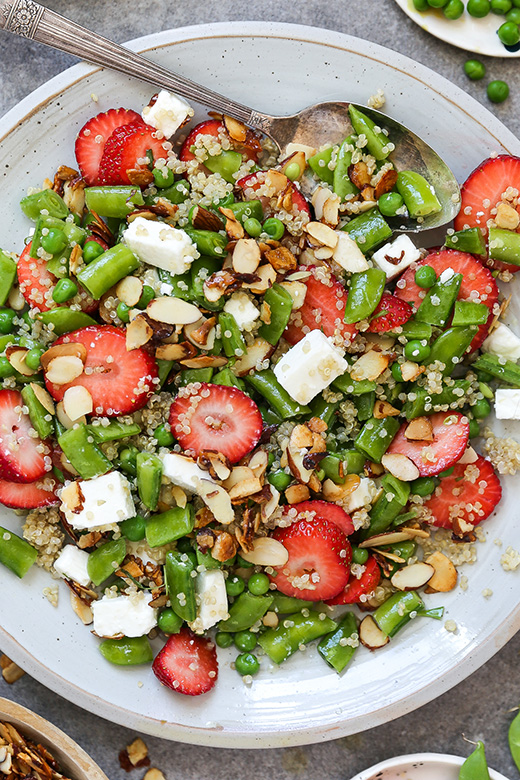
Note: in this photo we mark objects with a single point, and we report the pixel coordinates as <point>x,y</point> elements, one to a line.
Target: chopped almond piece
<point>411,370</point>
<point>281,259</point>
<point>420,429</point>
<point>401,466</point>
<point>137,752</point>
<point>507,217</point>
<point>295,494</point>
<point>385,183</point>
<point>412,577</point>
<point>236,130</point>
<point>383,409</point>
<point>369,366</point>
<point>359,175</point>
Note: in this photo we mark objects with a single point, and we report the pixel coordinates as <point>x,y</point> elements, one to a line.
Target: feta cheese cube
<point>310,366</point>
<point>71,564</point>
<point>507,404</point>
<point>167,113</point>
<point>211,600</point>
<point>161,245</point>
<point>128,615</point>
<point>363,495</point>
<point>397,255</point>
<point>502,342</point>
<point>91,504</point>
<point>348,255</point>
<point>243,310</point>
<point>183,471</point>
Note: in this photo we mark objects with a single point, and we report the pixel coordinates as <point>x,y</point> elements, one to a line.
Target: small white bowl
<point>419,766</point>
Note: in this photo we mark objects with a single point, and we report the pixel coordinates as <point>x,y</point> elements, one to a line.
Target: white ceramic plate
<point>473,35</point>
<point>279,68</point>
<point>419,766</point>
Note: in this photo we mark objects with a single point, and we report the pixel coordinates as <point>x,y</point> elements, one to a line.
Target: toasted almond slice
<point>282,259</point>
<point>388,537</point>
<point>64,369</point>
<point>246,256</point>
<point>297,291</point>
<point>268,508</point>
<point>234,228</point>
<point>203,219</point>
<point>445,574</point>
<point>205,361</point>
<point>60,350</point>
<point>401,466</point>
<point>295,494</point>
<point>180,497</point>
<point>333,492</point>
<point>44,397</point>
<point>412,577</point>
<point>469,456</point>
<point>16,357</point>
<point>258,463</point>
<point>129,290</point>
<point>411,370</point>
<point>382,341</point>
<point>276,181</point>
<point>383,409</point>
<point>256,353</point>
<point>82,610</point>
<point>64,419</point>
<point>138,333</point>
<point>323,253</point>
<point>202,333</point>
<point>369,366</point>
<point>420,429</point>
<point>370,635</point>
<point>175,351</point>
<point>236,130</point>
<point>420,533</point>
<point>238,474</point>
<point>173,311</point>
<point>319,198</point>
<point>331,211</point>
<point>322,234</point>
<point>217,500</point>
<point>216,463</point>
<point>245,488</point>
<point>295,458</point>
<point>77,402</point>
<point>301,436</point>
<point>267,552</point>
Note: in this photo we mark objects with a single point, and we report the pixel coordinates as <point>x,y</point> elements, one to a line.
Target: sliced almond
<point>282,259</point>
<point>266,278</point>
<point>297,291</point>
<point>301,436</point>
<point>258,463</point>
<point>412,577</point>
<point>173,311</point>
<point>385,183</point>
<point>203,219</point>
<point>322,234</point>
<point>60,350</point>
<point>411,370</point>
<point>179,496</point>
<point>175,351</point>
<point>419,429</point>
<point>319,198</point>
<point>370,635</point>
<point>236,130</point>
<point>64,419</point>
<point>269,507</point>
<point>11,672</point>
<point>469,456</point>
<point>62,370</point>
<point>276,181</point>
<point>216,463</point>
<point>82,610</point>
<point>420,533</point>
<point>246,256</point>
<point>295,494</point>
<point>217,500</point>
<point>445,574</point>
<point>323,253</point>
<point>369,366</point>
<point>129,290</point>
<point>257,352</point>
<point>44,397</point>
<point>401,466</point>
<point>295,460</point>
<point>359,175</point>
<point>138,333</point>
<point>333,492</point>
<point>244,489</point>
<point>205,361</point>
<point>382,341</point>
<point>225,547</point>
<point>16,357</point>
<point>238,474</point>
<point>388,537</point>
<point>383,409</point>
<point>202,333</point>
<point>77,402</point>
<point>234,229</point>
<point>330,212</point>
<point>267,552</point>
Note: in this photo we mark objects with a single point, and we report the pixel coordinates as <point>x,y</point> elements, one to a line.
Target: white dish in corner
<point>419,766</point>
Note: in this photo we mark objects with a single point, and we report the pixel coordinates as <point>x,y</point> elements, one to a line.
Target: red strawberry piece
<point>187,663</point>
<point>450,438</point>
<point>251,182</point>
<point>470,493</point>
<point>93,136</point>
<point>35,281</point>
<point>119,382</point>
<point>22,457</point>
<point>324,510</point>
<point>390,312</point>
<point>476,279</point>
<point>319,558</point>
<point>369,580</point>
<point>213,127</point>
<point>29,495</point>
<point>216,417</point>
<point>124,149</point>
<point>483,189</point>
<point>323,308</point>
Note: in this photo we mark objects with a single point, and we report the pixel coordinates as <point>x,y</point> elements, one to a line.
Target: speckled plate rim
<point>438,761</point>
<point>314,732</point>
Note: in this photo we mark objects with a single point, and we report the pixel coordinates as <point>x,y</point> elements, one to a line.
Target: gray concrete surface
<point>481,706</point>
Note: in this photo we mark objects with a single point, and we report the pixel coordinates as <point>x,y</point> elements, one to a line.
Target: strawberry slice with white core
<point>358,589</point>
<point>319,557</point>
<point>478,284</point>
<point>24,457</point>
<point>35,281</point>
<point>187,663</point>
<point>29,495</point>
<point>485,187</point>
<point>93,136</point>
<point>450,439</point>
<point>324,510</point>
<point>119,382</point>
<point>470,493</point>
<point>211,127</point>
<point>215,417</point>
<point>126,150</point>
<point>255,181</point>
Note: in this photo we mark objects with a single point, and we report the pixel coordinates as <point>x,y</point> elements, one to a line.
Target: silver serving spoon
<point>316,125</point>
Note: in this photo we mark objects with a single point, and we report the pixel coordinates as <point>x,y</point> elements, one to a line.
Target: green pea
<point>6,368</point>
<point>497,91</point>
<point>54,241</point>
<point>474,69</point>
<point>247,663</point>
<point>163,177</point>
<point>425,276</point>
<point>123,312</point>
<point>147,295</point>
<point>396,372</point>
<point>164,436</point>
<point>501,7</point>
<point>478,8</point>
<point>481,409</point>
<point>513,15</point>
<point>91,250</point>
<point>32,358</point>
<point>420,5</point>
<point>293,171</point>
<point>6,321</point>
<point>224,639</point>
<point>169,622</point>
<point>416,350</point>
<point>274,228</point>
<point>516,3</point>
<point>245,641</point>
<point>390,203</point>
<point>65,290</point>
<point>513,736</point>
<point>134,528</point>
<point>235,585</point>
<point>454,9</point>
<point>258,584</point>
<point>253,227</point>
<point>474,429</point>
<point>359,555</point>
<point>280,480</point>
<point>127,460</point>
<point>437,3</point>
<point>446,473</point>
<point>423,486</point>
<point>509,33</point>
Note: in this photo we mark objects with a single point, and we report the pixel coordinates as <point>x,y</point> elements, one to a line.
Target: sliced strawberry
<point>450,438</point>
<point>212,127</point>
<point>476,279</point>
<point>483,189</point>
<point>369,580</point>
<point>22,457</point>
<point>323,308</point>
<point>324,510</point>
<point>470,493</point>
<point>35,281</point>
<point>252,182</point>
<point>319,558</point>
<point>126,146</point>
<point>29,495</point>
<point>390,312</point>
<point>92,137</point>
<point>216,417</point>
<point>187,663</point>
<point>119,382</point>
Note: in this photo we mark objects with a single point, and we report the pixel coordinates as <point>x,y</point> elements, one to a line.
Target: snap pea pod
<point>297,629</point>
<point>418,195</point>
<point>15,553</point>
<point>333,648</point>
<point>176,193</point>
<point>86,457</point>
<point>128,651</point>
<point>163,370</point>
<point>105,560</point>
<point>246,209</point>
<point>149,474</point>
<point>226,164</point>
<point>514,739</point>
<point>450,394</point>
<point>181,585</point>
<point>368,230</point>
<point>353,461</point>
<point>436,613</point>
<point>73,233</point>
<point>37,413</point>
<point>232,340</point>
<point>280,306</point>
<point>416,330</point>
<point>475,766</point>
<point>436,306</point>
<point>365,291</point>
<point>378,144</point>
<point>227,377</point>
<point>319,164</point>
<point>450,346</point>
<point>245,611</point>
<point>504,245</point>
<point>265,383</point>
<point>207,560</point>
<point>64,320</point>
<point>375,437</point>
<point>387,507</point>
<point>469,313</point>
<point>190,375</point>
<point>342,185</point>
<point>323,409</point>
<point>59,264</point>
<point>170,525</point>
<point>470,240</point>
<point>114,430</point>
<point>404,550</point>
<point>396,611</point>
<point>365,406</point>
<point>7,275</point>
<point>116,201</point>
<point>181,284</point>
<point>284,605</point>
<point>506,370</point>
<point>45,200</point>
<point>208,243</point>
<point>107,269</point>
<point>134,528</point>
<point>346,384</point>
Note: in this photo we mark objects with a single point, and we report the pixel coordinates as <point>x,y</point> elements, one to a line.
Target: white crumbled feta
<point>183,471</point>
<point>71,564</point>
<point>446,275</point>
<point>167,113</point>
<point>161,245</point>
<point>362,496</point>
<point>243,310</point>
<point>310,366</point>
<point>103,501</point>
<point>212,603</point>
<point>502,342</point>
<point>128,615</point>
<point>348,255</point>
<point>507,404</point>
<point>397,255</point>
